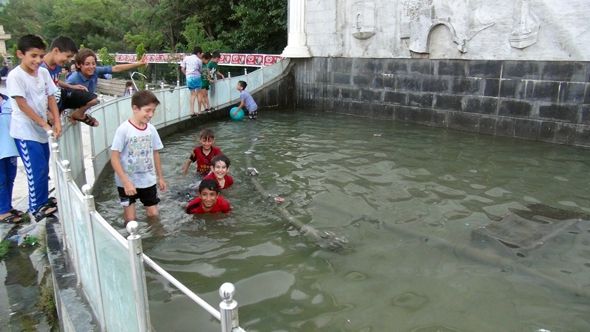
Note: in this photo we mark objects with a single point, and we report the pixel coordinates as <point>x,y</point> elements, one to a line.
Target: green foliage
<point>46,301</point>
<point>195,35</point>
<point>105,57</point>
<point>30,241</point>
<point>4,248</point>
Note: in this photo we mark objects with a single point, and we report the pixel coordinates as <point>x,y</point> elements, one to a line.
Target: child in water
<point>203,154</point>
<point>219,169</point>
<point>209,199</point>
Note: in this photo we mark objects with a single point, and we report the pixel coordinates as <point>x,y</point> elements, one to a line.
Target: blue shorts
<point>193,82</point>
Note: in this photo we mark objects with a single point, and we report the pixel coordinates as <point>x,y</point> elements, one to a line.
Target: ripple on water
<point>410,301</point>
<point>264,286</point>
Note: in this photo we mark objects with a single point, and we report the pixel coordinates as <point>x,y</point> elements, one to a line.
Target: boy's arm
<point>25,108</point>
<point>127,66</point>
<point>118,168</point>
<point>187,163</point>
<point>65,85</point>
<point>242,104</point>
<point>55,115</point>
<point>161,183</point>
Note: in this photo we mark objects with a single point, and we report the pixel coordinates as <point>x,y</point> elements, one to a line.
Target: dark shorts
<point>71,98</point>
<point>147,196</point>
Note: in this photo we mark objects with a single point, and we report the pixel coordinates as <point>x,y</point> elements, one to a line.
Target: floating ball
<point>236,114</point>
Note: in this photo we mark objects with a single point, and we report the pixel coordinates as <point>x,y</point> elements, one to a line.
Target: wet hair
<point>220,157</point>
<point>82,55</point>
<point>206,56</point>
<point>215,54</point>
<point>64,44</point>
<point>206,133</point>
<point>143,98</point>
<point>243,84</point>
<point>210,184</point>
<point>197,50</point>
<point>28,42</point>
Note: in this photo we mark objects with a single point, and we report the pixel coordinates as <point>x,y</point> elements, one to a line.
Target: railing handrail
<point>204,304</point>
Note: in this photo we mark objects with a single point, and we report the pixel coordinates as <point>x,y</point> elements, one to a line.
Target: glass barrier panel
<point>112,121</point>
<point>116,284</point>
<point>255,80</point>
<point>98,135</point>
<point>171,106</point>
<point>87,263</point>
<point>65,216</point>
<point>159,117</point>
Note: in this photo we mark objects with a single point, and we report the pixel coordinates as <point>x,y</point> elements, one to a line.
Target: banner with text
<point>226,59</point>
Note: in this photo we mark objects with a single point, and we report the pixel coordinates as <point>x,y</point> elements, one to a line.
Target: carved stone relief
<point>419,17</point>
<point>363,21</point>
<point>526,25</point>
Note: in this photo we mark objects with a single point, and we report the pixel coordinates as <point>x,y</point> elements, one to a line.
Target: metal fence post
<point>138,276</point>
<point>228,308</point>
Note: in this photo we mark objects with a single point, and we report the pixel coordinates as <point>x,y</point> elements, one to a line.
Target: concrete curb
<point>72,308</point>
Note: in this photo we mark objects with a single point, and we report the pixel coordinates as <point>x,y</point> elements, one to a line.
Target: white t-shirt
<point>35,90</point>
<point>137,148</point>
<point>192,65</point>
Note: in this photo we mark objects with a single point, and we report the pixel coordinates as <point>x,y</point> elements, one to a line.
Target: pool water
<point>411,201</point>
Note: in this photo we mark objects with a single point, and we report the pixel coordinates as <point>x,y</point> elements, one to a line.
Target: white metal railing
<point>108,277</point>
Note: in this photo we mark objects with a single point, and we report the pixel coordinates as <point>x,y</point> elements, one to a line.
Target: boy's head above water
<point>207,138</point>
<point>220,165</point>
<point>208,192</point>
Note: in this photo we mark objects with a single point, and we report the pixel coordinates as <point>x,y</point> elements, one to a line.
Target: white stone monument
<point>3,38</point>
<point>297,40</point>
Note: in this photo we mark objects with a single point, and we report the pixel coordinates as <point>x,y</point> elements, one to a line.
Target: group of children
<point>37,96</point>
<point>135,159</point>
<point>200,69</point>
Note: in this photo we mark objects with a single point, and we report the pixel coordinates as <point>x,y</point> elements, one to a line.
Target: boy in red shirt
<point>209,199</point>
<point>203,154</point>
<point>219,169</point>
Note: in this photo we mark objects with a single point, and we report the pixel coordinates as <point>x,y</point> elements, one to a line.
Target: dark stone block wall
<point>546,101</point>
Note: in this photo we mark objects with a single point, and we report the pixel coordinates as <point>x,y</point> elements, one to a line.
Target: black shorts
<point>147,196</point>
<point>71,98</point>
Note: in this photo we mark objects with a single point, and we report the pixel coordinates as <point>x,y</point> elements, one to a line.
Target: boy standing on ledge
<point>135,158</point>
<point>32,92</point>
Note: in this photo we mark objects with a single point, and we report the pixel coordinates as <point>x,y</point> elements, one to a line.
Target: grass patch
<point>4,248</point>
<point>46,301</point>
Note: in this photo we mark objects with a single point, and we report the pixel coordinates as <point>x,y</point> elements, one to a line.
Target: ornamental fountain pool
<point>446,231</point>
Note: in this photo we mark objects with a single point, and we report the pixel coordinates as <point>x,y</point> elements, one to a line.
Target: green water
<point>408,199</point>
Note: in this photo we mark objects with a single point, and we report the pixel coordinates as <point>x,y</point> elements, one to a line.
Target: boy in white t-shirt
<point>32,91</point>
<point>191,66</point>
<point>135,157</point>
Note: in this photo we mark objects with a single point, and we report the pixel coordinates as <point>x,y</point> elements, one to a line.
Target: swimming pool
<point>410,200</point>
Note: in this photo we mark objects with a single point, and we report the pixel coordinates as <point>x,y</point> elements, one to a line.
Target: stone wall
<point>546,101</point>
<point>449,29</point>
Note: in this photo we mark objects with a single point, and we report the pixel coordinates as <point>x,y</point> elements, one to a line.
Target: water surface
<point>409,199</point>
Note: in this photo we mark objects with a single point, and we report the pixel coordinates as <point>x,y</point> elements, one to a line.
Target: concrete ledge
<point>74,312</point>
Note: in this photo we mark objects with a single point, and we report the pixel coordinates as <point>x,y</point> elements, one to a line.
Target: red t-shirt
<point>195,207</point>
<point>228,180</point>
<point>204,161</point>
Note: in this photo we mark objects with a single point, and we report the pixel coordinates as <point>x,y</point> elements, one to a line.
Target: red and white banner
<point>226,59</point>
